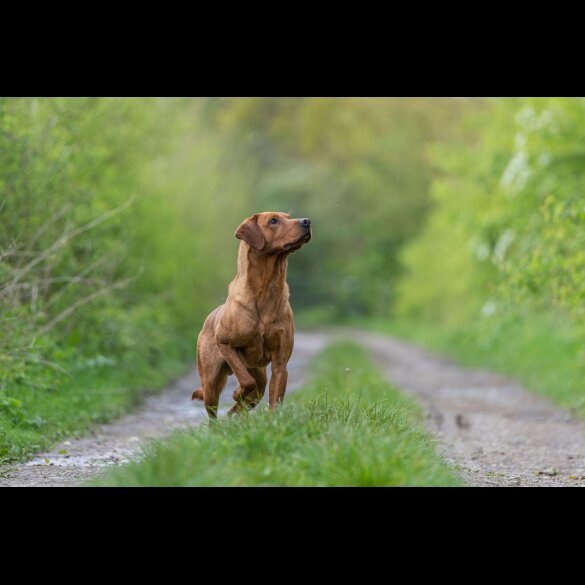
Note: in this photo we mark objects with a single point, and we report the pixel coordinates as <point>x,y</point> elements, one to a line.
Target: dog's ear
<point>250,232</point>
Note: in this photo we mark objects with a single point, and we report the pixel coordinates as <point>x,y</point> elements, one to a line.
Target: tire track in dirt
<point>120,441</point>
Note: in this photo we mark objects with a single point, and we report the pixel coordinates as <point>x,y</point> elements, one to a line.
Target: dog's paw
<point>198,394</point>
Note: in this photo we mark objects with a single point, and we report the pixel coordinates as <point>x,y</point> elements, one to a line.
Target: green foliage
<point>502,255</point>
<point>116,239</point>
<point>358,168</point>
<point>331,433</point>
<point>42,405</point>
<point>507,227</point>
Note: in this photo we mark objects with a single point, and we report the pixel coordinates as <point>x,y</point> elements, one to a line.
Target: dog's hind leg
<point>213,369</point>
<point>212,388</point>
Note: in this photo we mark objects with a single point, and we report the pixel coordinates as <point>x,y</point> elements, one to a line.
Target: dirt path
<point>496,432</point>
<point>492,430</point>
<point>118,442</point>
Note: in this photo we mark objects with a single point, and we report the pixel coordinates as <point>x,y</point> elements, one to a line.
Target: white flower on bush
<point>488,309</point>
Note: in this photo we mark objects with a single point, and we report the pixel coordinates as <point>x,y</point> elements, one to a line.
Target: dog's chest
<point>261,345</point>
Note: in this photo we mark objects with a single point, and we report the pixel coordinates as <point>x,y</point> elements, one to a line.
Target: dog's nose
<point>305,222</point>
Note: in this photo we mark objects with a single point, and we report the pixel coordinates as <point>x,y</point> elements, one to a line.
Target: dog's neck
<point>263,275</point>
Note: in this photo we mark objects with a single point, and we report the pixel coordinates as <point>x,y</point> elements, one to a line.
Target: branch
<point>10,251</point>
<point>64,314</point>
<point>67,279</point>
<point>65,238</point>
<point>56,217</point>
<point>47,363</point>
<point>83,271</point>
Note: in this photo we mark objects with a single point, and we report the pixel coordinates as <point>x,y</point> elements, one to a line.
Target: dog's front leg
<point>278,382</point>
<point>245,379</point>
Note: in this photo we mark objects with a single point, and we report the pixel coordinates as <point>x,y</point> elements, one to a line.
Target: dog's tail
<point>198,394</point>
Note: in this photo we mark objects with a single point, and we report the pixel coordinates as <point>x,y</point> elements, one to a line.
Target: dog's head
<point>273,232</point>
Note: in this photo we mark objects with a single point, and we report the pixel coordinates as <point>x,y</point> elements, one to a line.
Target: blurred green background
<point>455,221</point>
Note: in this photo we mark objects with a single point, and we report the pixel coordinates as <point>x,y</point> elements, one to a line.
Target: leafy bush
<point>114,218</point>
<point>507,227</point>
<point>505,242</point>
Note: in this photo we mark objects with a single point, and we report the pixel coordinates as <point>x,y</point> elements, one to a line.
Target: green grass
<point>341,429</point>
<point>69,401</point>
<point>543,351</point>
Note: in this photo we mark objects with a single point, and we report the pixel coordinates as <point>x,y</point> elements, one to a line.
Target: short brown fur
<point>254,327</point>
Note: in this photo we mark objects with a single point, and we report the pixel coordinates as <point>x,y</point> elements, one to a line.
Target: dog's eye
<point>273,221</point>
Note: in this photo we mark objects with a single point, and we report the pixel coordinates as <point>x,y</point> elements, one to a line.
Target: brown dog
<point>254,327</point>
